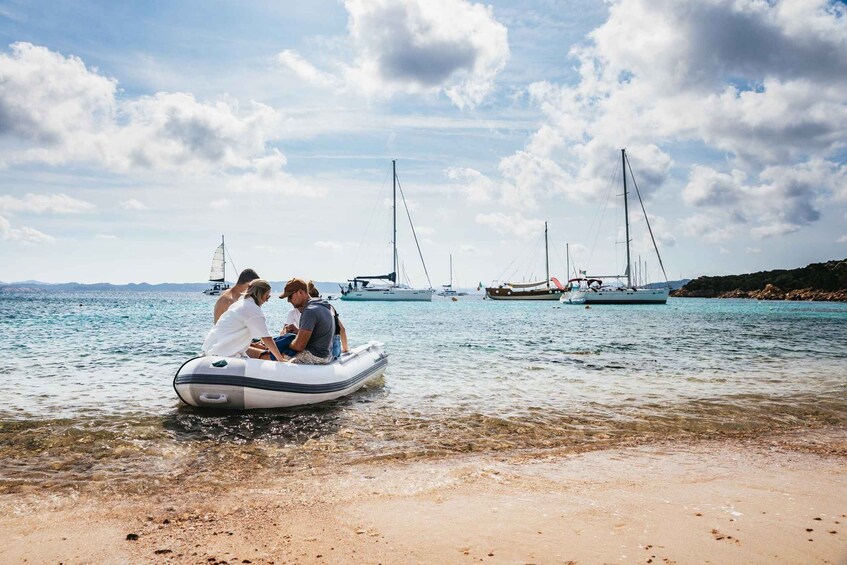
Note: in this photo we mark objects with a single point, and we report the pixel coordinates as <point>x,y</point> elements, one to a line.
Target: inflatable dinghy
<point>244,384</point>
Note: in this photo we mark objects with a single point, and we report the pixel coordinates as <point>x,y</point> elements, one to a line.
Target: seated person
<point>228,297</point>
<point>313,342</point>
<point>244,320</point>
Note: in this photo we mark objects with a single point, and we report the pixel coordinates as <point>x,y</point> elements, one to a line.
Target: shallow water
<point>88,378</point>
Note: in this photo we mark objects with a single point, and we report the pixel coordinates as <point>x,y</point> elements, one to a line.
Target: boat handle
<point>217,399</point>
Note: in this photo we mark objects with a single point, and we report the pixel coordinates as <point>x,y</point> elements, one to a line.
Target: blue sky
<point>132,136</point>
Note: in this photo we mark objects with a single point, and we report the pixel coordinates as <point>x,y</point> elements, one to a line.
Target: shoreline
<point>752,500</point>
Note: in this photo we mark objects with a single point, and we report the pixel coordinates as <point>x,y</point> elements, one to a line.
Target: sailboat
<point>362,288</point>
<point>217,276</point>
<point>447,289</point>
<point>538,290</point>
<point>587,289</point>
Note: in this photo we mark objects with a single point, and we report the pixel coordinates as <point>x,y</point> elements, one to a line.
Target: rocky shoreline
<point>770,292</point>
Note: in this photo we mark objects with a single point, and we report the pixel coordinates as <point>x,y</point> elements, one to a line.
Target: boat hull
<point>615,296</point>
<point>247,384</point>
<point>505,293</point>
<point>388,295</point>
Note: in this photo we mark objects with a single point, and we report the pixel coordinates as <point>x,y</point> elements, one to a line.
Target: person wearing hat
<point>232,334</point>
<point>313,343</point>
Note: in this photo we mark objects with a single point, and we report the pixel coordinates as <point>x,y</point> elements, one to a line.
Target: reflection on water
<point>467,376</point>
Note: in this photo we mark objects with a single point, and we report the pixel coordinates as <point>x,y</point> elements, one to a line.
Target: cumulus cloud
<point>133,204</point>
<point>784,199</point>
<point>476,186</point>
<point>267,174</point>
<point>515,224</point>
<point>45,203</point>
<point>764,83</point>
<point>60,111</point>
<point>24,234</point>
<point>452,47</point>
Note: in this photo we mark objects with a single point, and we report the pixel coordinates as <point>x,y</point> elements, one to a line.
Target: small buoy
<point>455,299</point>
<point>587,306</point>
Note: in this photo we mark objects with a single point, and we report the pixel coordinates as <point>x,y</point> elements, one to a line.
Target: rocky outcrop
<point>770,292</point>
<point>818,281</point>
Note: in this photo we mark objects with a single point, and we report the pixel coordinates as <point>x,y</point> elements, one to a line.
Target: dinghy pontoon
<point>244,384</point>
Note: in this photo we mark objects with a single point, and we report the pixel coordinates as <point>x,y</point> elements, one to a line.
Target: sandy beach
<point>777,499</point>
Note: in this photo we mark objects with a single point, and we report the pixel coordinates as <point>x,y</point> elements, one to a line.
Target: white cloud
<point>752,250</point>
<point>305,70</point>
<point>265,174</point>
<point>476,186</point>
<point>133,204</point>
<point>59,111</point>
<point>220,204</point>
<point>24,234</point>
<point>452,47</point>
<point>467,249</point>
<point>842,239</point>
<point>329,245</point>
<point>515,224</point>
<point>764,83</point>
<point>106,237</point>
<point>786,198</point>
<point>45,203</point>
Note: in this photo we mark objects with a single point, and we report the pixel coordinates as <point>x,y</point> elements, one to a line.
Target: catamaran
<point>536,290</point>
<point>362,287</point>
<point>587,289</point>
<point>218,274</point>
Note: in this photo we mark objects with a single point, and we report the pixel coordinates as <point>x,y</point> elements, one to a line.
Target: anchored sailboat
<point>538,290</point>
<point>591,290</point>
<point>217,276</point>
<point>362,288</point>
<point>447,289</point>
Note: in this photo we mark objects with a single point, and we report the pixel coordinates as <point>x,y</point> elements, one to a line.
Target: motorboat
<point>237,383</point>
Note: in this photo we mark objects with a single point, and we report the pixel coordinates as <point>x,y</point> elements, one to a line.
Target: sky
<point>134,135</point>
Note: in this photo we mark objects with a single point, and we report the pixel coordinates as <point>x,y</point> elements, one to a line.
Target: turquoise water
<point>88,380</point>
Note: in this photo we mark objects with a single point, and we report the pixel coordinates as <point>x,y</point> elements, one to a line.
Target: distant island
<point>37,286</point>
<point>818,281</point>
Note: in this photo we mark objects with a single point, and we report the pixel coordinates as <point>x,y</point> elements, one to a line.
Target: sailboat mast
<point>546,256</point>
<point>626,216</point>
<point>451,270</point>
<point>224,257</point>
<point>394,213</point>
<point>568,260</point>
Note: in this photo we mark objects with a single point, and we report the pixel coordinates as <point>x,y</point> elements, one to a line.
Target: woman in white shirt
<point>240,324</point>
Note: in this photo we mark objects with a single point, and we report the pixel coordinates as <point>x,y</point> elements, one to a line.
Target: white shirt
<point>236,328</point>
<point>293,317</point>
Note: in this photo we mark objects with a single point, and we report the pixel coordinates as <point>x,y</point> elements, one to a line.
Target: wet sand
<point>780,499</point>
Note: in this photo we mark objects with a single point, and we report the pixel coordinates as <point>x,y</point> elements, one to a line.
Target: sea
<point>88,401</point>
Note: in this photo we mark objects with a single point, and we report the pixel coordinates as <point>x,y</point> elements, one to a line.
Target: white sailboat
<point>362,287</point>
<point>447,289</point>
<point>217,276</point>
<point>587,289</point>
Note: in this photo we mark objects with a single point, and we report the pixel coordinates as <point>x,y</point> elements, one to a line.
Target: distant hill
<point>36,286</point>
<point>818,281</point>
